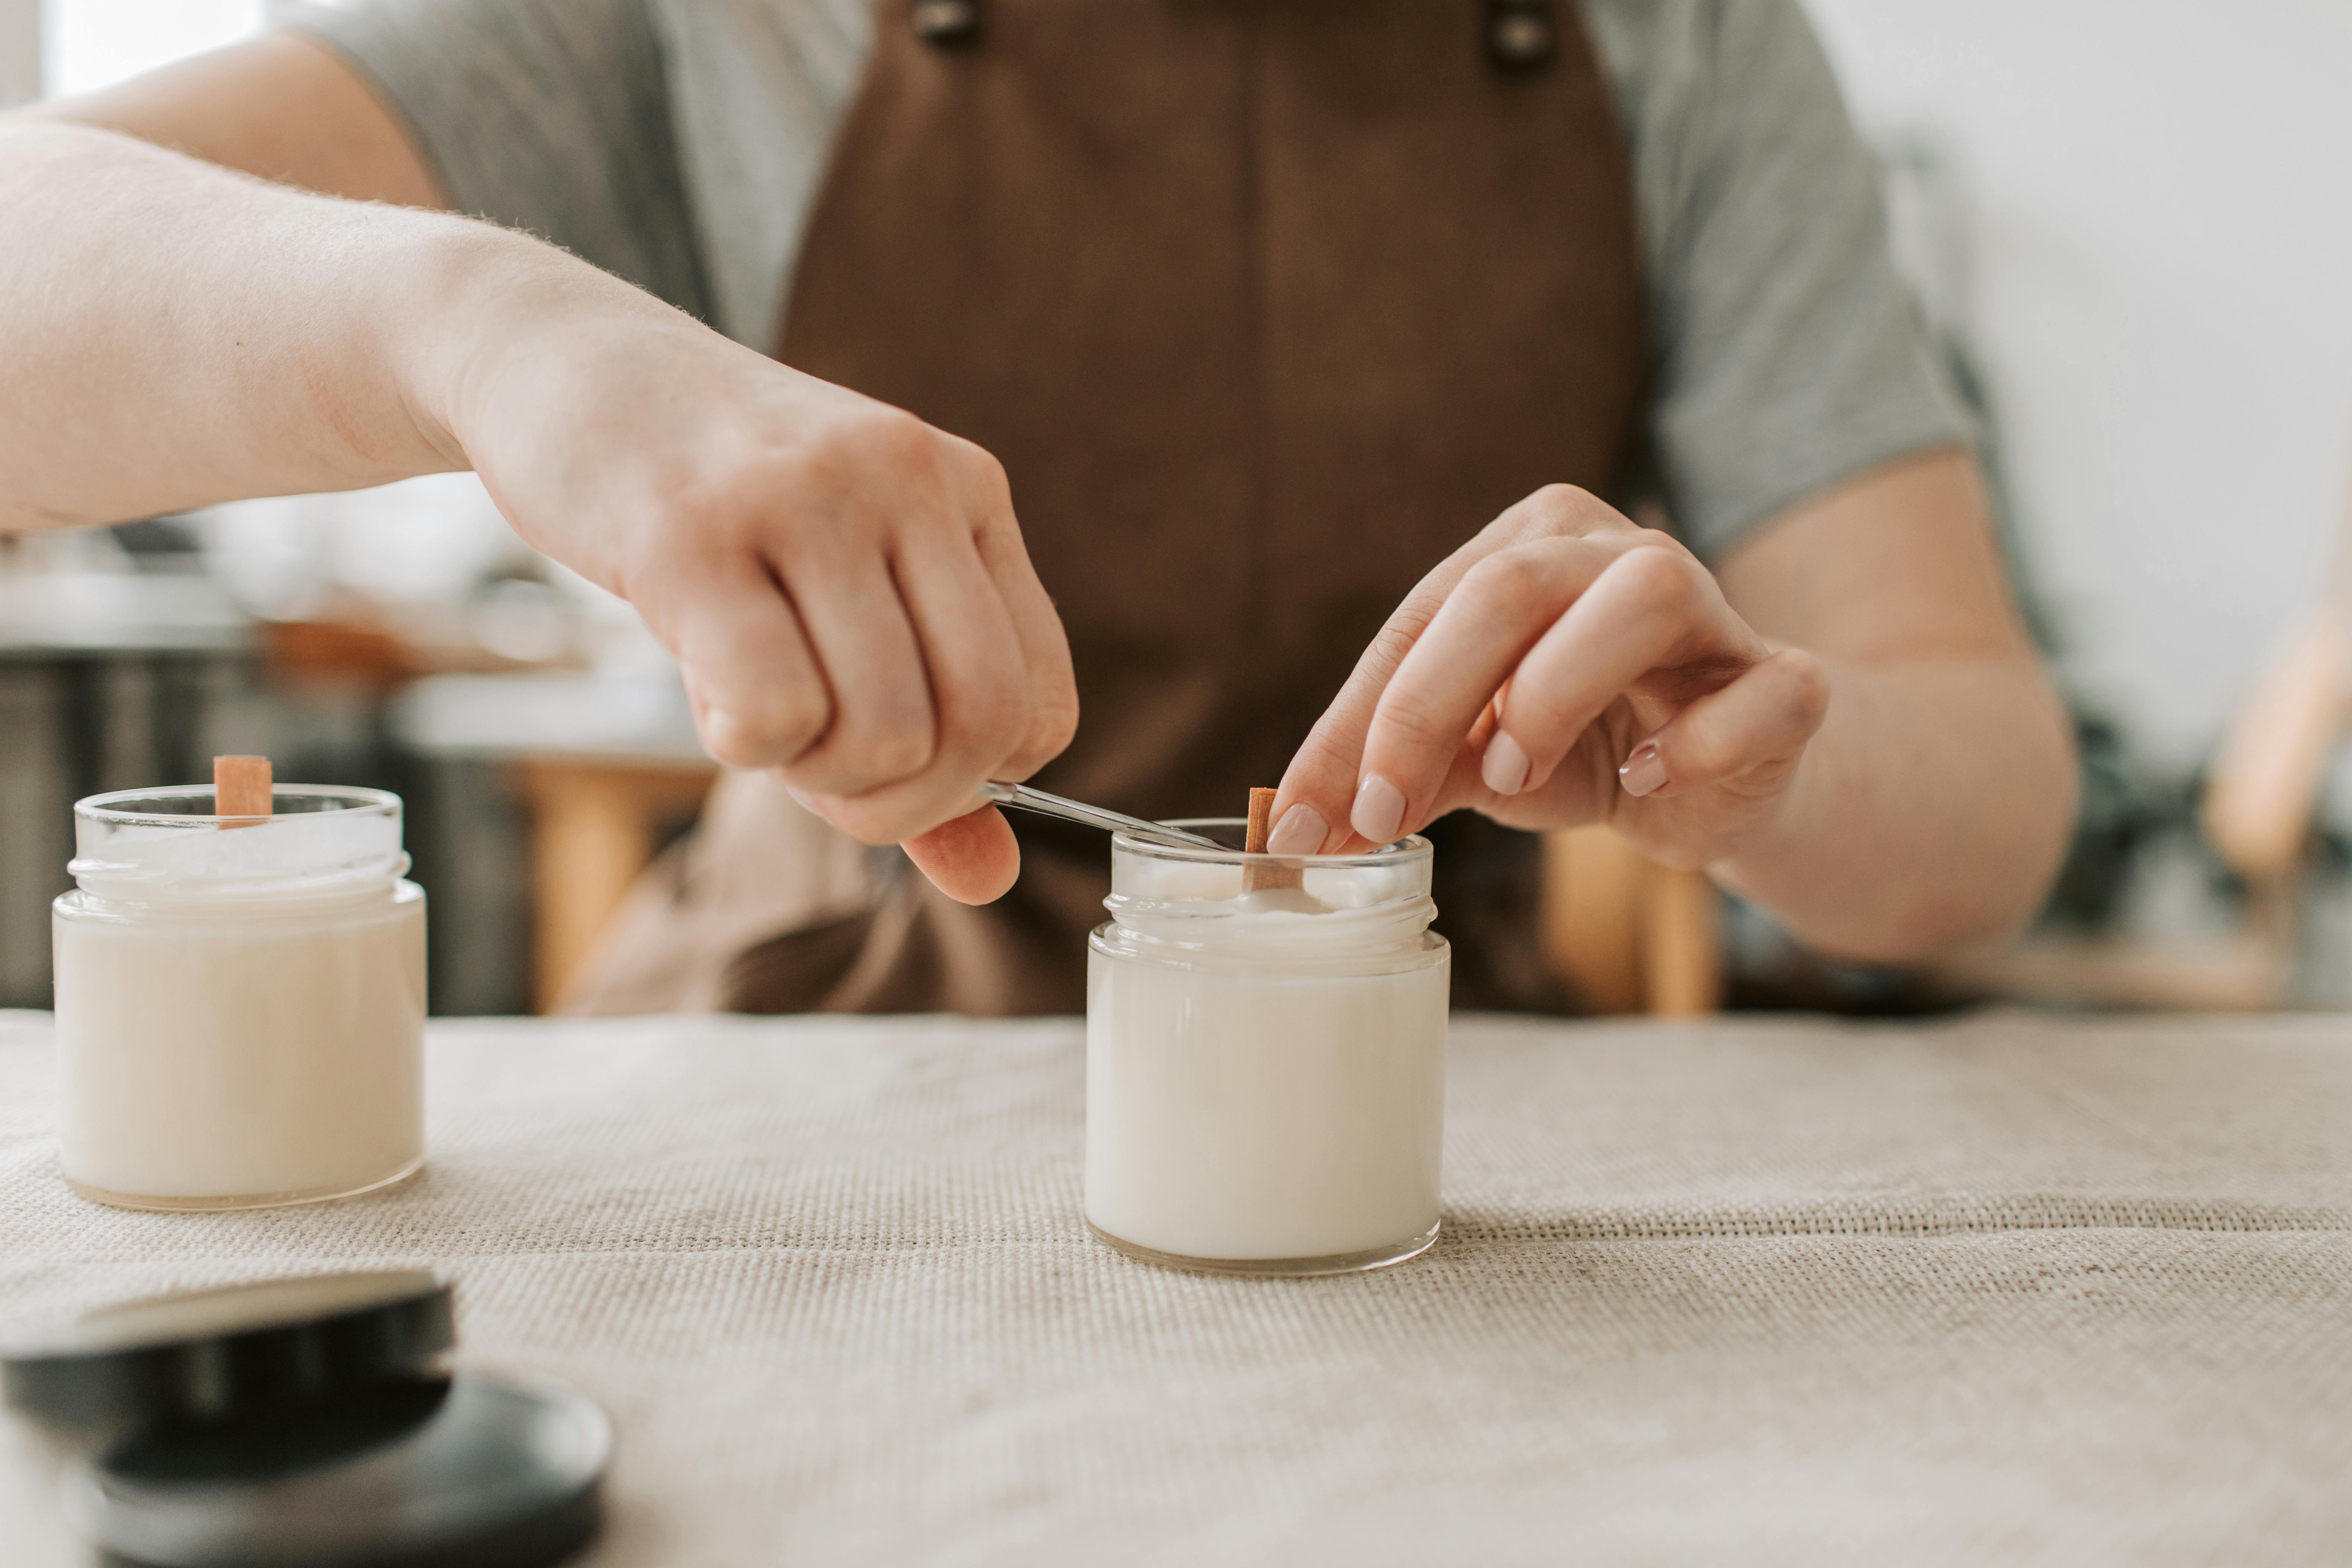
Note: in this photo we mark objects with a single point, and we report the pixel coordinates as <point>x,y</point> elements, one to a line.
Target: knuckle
<point>1700,757</point>
<point>732,748</point>
<point>1566,500</point>
<point>1047,723</point>
<point>1325,753</point>
<point>736,744</point>
<point>1511,583</point>
<point>882,434</point>
<point>725,511</point>
<point>1394,641</point>
<point>900,752</point>
<point>989,723</point>
<point>841,461</point>
<point>1654,579</point>
<point>1404,719</point>
<point>655,571</point>
<point>871,751</point>
<point>979,465</point>
<point>982,696</point>
<point>689,510</point>
<point>1053,725</point>
<point>1556,510</point>
<point>787,723</point>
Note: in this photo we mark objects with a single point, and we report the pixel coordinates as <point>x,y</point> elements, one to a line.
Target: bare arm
<point>282,107</point>
<point>183,334</point>
<point>1846,723</point>
<point>845,588</point>
<point>1935,803</point>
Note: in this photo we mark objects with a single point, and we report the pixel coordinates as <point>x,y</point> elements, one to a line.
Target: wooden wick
<point>241,788</point>
<point>1255,879</point>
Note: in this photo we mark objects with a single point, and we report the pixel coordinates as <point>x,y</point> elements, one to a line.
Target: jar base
<point>286,1200</point>
<point>1275,1267</point>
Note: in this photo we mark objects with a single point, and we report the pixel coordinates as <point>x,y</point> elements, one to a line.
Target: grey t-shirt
<point>679,144</point>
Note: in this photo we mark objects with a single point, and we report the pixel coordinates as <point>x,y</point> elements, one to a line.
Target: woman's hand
<point>1564,667</point>
<point>844,587</point>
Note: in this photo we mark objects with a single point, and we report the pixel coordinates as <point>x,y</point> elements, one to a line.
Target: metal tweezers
<point>1026,799</point>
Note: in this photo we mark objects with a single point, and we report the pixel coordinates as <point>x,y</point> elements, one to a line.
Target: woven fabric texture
<point>2002,1290</point>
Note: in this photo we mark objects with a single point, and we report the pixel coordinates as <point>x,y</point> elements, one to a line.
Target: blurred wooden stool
<point>2260,807</point>
<point>1628,934</point>
<point>596,823</point>
<point>2261,794</point>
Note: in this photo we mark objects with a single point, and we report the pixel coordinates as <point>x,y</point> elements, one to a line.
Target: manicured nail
<point>1506,767</point>
<point>1643,770</point>
<point>1301,831</point>
<point>1378,810</point>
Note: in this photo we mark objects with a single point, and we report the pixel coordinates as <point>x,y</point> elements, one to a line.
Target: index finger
<point>1377,761</point>
<point>1319,790</point>
<point>1311,808</point>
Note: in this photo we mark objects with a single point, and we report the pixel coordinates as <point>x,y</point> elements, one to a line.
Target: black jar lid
<point>205,1355</point>
<point>306,1420</point>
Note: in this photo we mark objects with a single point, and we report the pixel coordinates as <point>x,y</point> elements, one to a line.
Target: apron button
<point>945,24</point>
<point>1520,33</point>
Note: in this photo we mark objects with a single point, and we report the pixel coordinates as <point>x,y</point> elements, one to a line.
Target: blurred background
<point>2128,220</point>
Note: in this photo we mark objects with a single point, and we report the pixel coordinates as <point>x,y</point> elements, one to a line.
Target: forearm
<point>173,335</point>
<point>1930,811</point>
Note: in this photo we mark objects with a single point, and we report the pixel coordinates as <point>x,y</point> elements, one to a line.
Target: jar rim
<point>1413,846</point>
<point>110,808</point>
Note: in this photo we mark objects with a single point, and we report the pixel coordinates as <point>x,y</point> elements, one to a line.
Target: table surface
<point>2003,1289</point>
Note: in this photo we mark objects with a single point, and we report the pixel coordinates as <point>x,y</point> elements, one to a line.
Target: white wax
<point>212,1054</point>
<point>1255,1100</point>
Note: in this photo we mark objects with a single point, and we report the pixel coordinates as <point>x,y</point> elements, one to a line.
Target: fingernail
<point>1301,831</point>
<point>1643,770</point>
<point>1506,767</point>
<point>800,797</point>
<point>1378,810</point>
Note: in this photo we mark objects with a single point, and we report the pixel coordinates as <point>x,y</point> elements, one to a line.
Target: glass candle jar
<point>1265,1079</point>
<point>240,1001</point>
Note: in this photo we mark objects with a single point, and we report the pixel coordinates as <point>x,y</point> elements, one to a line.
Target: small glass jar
<point>1266,1070</point>
<point>240,1001</point>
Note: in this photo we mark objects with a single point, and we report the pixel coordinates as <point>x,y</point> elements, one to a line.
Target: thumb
<point>1758,725</point>
<point>972,858</point>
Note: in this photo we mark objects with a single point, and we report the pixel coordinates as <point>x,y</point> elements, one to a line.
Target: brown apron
<point>1266,306</point>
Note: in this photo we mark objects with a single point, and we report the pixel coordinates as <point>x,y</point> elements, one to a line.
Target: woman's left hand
<point>1564,667</point>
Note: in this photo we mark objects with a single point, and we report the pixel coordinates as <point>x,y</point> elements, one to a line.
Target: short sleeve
<point>1789,354</point>
<point>550,116</point>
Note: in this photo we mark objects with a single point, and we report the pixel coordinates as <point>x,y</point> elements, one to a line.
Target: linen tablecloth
<point>2004,1290</point>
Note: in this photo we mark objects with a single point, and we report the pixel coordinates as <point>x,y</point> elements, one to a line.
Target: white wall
<point>2163,296</point>
<point>20,51</point>
<point>90,44</point>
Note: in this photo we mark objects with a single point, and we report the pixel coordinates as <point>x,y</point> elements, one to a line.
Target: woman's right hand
<point>844,587</point>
